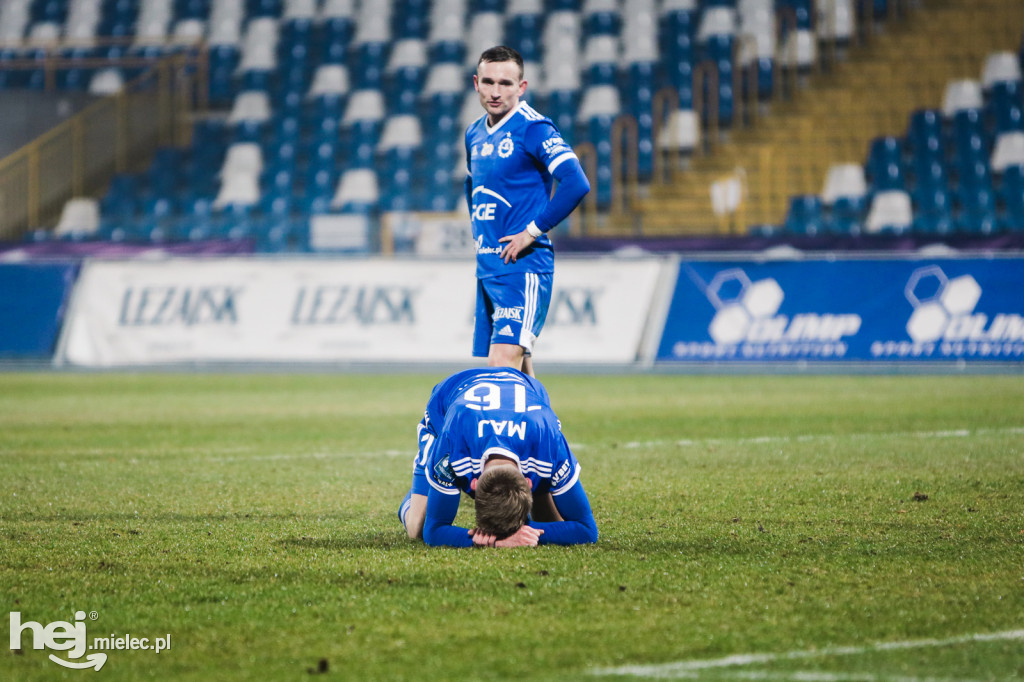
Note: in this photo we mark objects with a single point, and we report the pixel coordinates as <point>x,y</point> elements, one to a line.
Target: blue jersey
<point>493,411</point>
<point>510,167</point>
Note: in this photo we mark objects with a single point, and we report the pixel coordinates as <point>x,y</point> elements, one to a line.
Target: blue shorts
<point>510,309</point>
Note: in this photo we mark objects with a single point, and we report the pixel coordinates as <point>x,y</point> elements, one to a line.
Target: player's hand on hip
<point>516,244</point>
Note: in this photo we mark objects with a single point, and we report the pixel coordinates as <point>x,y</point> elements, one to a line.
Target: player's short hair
<point>503,501</point>
<point>502,53</point>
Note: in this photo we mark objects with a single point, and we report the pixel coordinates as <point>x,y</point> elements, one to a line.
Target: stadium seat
<point>361,124</point>
<point>1000,67</point>
<point>960,95</point>
<point>977,213</point>
<point>79,219</point>
<point>805,215</point>
<point>681,133</point>
<point>485,30</point>
<point>358,191</point>
<point>523,24</point>
<point>846,214</point>
<point>597,111</point>
<point>601,59</point>
<point>601,18</point>
<point>969,138</point>
<point>933,212</point>
<point>891,211</point>
<point>249,115</point>
<point>1008,151</point>
<point>1012,195</point>
<point>406,70</point>
<point>844,180</point>
<point>1005,104</point>
<point>400,142</point>
<point>106,82</point>
<point>884,166</point>
<point>446,36</point>
<point>641,77</point>
<point>837,21</point>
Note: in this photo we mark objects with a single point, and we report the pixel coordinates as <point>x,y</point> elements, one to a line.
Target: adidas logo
<point>505,331</point>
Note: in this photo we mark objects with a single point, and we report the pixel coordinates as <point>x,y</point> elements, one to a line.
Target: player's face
<point>500,86</point>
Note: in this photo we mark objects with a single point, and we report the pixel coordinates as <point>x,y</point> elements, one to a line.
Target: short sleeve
<point>546,144</point>
<point>565,471</point>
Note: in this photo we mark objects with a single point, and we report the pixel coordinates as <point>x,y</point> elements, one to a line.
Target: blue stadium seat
<point>933,212</point>
<point>561,108</point>
<point>718,52</point>
<point>191,9</point>
<point>977,213</point>
<point>926,136</point>
<point>1006,104</point>
<point>930,175</point>
<point>263,8</point>
<point>638,95</point>
<point>884,167</point>
<point>522,31</point>
<point>223,60</point>
<point>970,141</point>
<point>847,215</point>
<point>366,65</point>
<point>1011,192</point>
<point>805,215</point>
<point>334,40</point>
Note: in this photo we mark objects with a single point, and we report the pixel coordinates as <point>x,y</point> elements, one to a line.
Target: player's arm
<point>578,526</point>
<point>438,530</point>
<point>572,187</point>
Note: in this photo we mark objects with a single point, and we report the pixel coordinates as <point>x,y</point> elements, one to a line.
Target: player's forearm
<point>579,526</point>
<point>572,187</point>
<point>446,535</point>
<point>568,532</point>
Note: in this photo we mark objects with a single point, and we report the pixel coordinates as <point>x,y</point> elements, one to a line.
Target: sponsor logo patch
<point>444,474</point>
<point>515,313</point>
<point>561,474</point>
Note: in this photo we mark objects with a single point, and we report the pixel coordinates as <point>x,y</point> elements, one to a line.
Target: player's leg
<point>482,322</point>
<point>528,366</point>
<point>412,513</point>
<point>519,302</point>
<point>413,509</point>
<point>506,355</point>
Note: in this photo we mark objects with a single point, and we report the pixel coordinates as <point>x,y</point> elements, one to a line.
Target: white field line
<point>314,455</point>
<point>690,669</point>
<point>826,437</point>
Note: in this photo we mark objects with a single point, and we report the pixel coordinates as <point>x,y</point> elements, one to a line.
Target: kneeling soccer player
<point>490,432</point>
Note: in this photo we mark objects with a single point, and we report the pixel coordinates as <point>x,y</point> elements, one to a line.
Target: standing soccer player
<point>513,155</point>
<point>489,432</point>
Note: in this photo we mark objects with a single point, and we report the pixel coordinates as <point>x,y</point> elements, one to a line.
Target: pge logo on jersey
<point>944,321</point>
<point>747,324</point>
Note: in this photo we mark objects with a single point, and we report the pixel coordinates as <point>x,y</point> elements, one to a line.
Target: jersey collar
<point>505,118</point>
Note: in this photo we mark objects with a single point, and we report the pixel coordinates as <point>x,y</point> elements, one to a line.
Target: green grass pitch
<point>783,528</point>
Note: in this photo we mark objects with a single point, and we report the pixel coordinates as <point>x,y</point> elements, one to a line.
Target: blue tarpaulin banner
<point>32,302</point>
<point>847,310</point>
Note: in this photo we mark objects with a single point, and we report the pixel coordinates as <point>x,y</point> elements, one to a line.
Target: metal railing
<point>115,134</point>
